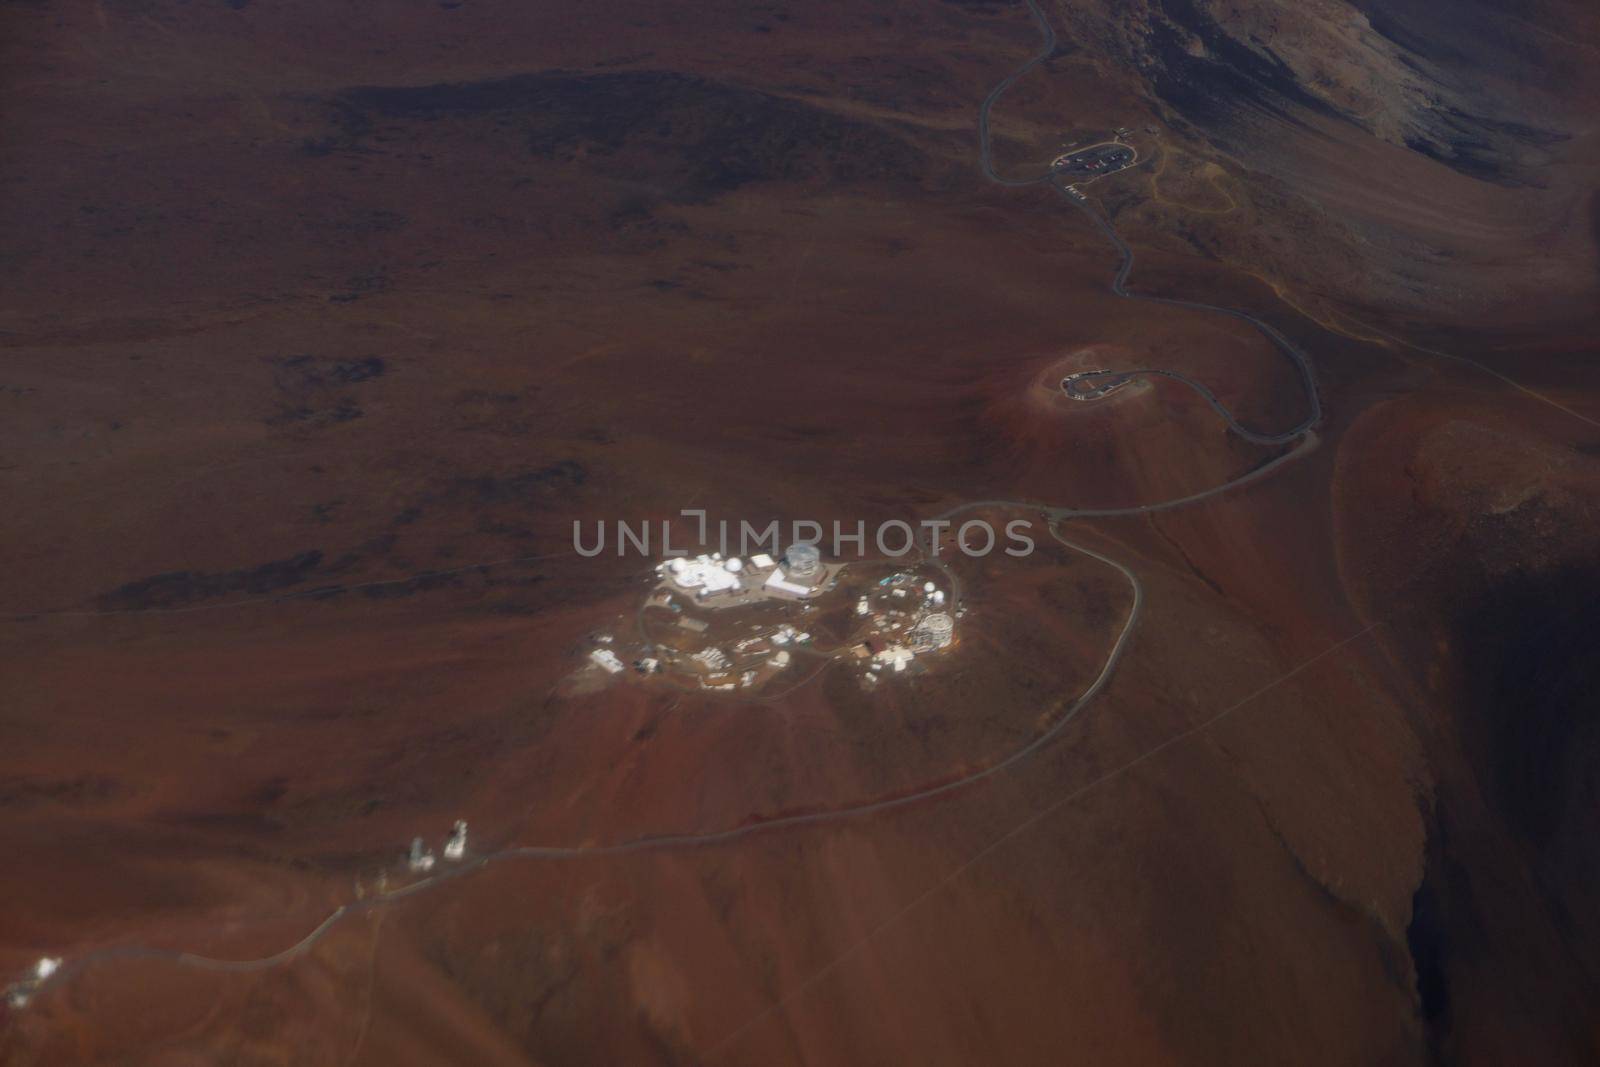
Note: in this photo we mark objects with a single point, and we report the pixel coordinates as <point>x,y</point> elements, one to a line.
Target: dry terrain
<point>323,322</point>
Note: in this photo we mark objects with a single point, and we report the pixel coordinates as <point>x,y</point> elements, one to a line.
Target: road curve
<point>1047,47</point>
<point>1295,354</point>
<point>750,828</point>
<point>656,843</point>
<point>1119,282</point>
<point>1259,437</point>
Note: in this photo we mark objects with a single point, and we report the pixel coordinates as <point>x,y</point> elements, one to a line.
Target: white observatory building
<point>934,631</point>
<point>802,560</point>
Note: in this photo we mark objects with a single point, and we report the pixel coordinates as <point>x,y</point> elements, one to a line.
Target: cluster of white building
<point>903,633</point>
<point>719,664</point>
<point>896,656</point>
<point>712,658</point>
<point>911,618</point>
<point>931,633</point>
<point>708,576</point>
<point>704,576</point>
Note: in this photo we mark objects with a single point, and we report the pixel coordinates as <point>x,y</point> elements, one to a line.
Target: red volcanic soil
<point>1152,440</point>
<point>1035,633</point>
<point>1479,544</point>
<point>324,325</point>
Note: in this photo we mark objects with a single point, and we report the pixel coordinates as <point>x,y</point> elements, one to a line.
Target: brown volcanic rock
<point>1480,543</point>
<point>304,303</point>
<point>1154,439</point>
<point>1411,155</point>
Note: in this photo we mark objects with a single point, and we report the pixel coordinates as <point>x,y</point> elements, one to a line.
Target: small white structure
<point>779,582</point>
<point>420,859</point>
<point>713,658</point>
<point>896,656</point>
<point>779,660</point>
<point>456,846</point>
<point>862,607</point>
<point>761,561</point>
<point>928,587</point>
<point>606,660</point>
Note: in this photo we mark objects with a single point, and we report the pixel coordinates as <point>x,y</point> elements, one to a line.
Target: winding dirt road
<point>752,825</point>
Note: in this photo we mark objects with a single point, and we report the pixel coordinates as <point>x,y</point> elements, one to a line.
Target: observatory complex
<point>735,624</point>
<point>718,582</point>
